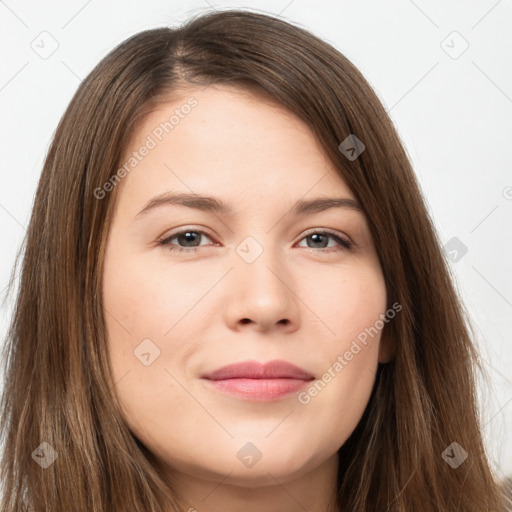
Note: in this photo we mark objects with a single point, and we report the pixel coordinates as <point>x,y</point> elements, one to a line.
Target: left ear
<point>387,347</point>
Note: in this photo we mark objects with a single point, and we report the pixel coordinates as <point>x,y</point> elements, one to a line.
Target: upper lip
<point>254,370</point>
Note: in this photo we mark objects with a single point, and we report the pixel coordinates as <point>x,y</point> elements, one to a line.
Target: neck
<point>312,491</point>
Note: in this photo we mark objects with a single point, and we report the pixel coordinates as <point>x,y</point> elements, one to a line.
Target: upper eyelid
<point>184,230</point>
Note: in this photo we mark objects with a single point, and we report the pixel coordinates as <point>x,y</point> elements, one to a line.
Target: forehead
<point>227,142</point>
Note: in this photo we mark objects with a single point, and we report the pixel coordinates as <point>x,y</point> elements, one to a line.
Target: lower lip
<point>260,390</point>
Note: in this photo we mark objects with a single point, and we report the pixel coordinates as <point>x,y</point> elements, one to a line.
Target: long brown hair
<point>58,385</point>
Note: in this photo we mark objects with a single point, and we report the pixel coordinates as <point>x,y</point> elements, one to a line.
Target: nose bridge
<point>260,265</point>
<point>262,285</point>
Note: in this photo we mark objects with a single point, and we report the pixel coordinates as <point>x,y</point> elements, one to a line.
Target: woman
<point>311,355</point>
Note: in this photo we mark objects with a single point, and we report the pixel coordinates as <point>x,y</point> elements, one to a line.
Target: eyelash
<point>346,245</point>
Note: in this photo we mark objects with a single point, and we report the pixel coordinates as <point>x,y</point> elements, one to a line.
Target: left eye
<point>191,239</point>
<point>320,240</point>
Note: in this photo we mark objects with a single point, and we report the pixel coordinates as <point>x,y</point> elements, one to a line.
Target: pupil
<point>316,237</point>
<point>189,236</point>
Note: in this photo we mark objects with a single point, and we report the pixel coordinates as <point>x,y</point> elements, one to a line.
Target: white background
<point>454,116</point>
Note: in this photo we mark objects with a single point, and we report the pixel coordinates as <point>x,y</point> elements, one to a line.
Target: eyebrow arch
<point>211,204</point>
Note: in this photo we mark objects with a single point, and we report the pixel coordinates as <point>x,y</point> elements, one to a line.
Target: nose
<point>261,296</point>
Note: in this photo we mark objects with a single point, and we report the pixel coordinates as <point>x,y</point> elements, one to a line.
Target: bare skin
<point>303,299</point>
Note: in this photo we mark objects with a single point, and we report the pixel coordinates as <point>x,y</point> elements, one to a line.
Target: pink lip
<point>251,380</point>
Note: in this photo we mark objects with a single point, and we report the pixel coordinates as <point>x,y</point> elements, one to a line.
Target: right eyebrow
<point>198,202</point>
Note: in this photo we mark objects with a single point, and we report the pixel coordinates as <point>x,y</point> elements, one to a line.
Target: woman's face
<point>274,276</point>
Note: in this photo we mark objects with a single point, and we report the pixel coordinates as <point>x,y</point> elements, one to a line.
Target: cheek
<point>156,314</point>
<point>352,307</point>
<point>347,300</point>
<point>146,340</point>
<point>135,321</point>
<point>143,299</point>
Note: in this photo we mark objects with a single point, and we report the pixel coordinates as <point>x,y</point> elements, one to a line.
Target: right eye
<point>185,236</point>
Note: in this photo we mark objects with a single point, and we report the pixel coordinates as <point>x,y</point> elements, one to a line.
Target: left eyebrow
<point>325,203</point>
<point>214,205</point>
